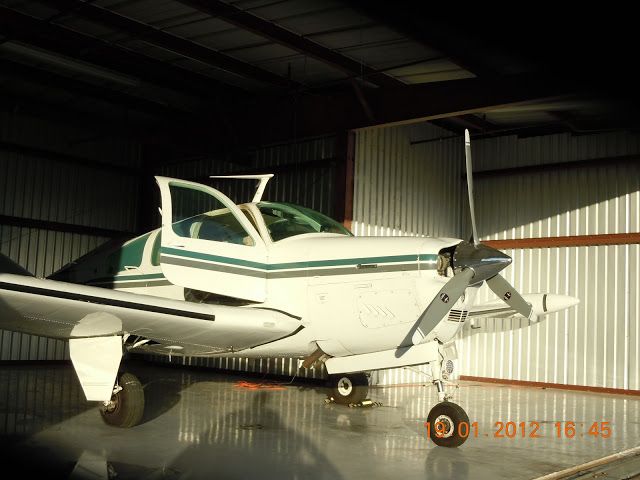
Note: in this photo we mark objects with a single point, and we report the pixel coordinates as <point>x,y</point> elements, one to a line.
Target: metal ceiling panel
<point>387,54</point>
<point>293,8</point>
<point>303,69</point>
<point>91,28</point>
<point>336,38</point>
<point>320,20</point>
<point>153,12</point>
<point>35,9</point>
<point>217,34</point>
<point>262,52</point>
<point>435,70</point>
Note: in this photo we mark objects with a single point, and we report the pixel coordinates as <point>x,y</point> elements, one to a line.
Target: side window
<point>129,255</point>
<point>196,214</point>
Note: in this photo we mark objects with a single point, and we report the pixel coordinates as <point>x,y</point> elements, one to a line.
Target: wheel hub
<point>444,426</point>
<point>345,387</point>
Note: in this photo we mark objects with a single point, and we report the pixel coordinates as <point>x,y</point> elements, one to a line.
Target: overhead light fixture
<point>67,63</point>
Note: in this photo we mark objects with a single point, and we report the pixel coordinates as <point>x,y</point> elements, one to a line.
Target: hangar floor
<point>205,424</point>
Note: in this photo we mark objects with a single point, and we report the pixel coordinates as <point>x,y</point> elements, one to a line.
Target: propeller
<point>441,304</point>
<point>511,297</point>
<point>472,207</point>
<point>472,263</point>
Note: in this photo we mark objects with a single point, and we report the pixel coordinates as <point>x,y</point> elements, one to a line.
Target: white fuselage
<point>352,295</point>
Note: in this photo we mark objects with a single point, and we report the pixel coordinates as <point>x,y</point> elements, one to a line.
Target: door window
<point>197,214</point>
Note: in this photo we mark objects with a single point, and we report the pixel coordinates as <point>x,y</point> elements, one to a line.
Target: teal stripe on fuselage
<point>125,278</point>
<point>297,265</point>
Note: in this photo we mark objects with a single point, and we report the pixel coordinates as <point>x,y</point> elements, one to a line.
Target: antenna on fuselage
<point>263,179</point>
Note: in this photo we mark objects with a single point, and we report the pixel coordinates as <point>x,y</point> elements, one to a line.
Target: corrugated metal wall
<point>595,344</point>
<point>35,185</point>
<point>305,173</point>
<point>402,188</point>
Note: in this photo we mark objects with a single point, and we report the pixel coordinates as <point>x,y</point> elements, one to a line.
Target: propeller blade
<point>441,304</point>
<point>472,209</point>
<point>511,297</point>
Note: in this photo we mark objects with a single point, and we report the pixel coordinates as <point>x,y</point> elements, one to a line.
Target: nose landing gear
<point>447,422</point>
<point>448,425</point>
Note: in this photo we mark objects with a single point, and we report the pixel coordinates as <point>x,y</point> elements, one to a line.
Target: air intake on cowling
<point>458,315</point>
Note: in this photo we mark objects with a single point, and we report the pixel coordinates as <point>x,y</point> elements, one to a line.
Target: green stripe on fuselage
<point>126,278</point>
<point>298,265</point>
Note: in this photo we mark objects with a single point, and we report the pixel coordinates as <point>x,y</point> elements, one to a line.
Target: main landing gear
<point>126,406</point>
<point>348,388</point>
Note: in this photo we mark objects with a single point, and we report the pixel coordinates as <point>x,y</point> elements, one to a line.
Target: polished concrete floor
<point>202,424</point>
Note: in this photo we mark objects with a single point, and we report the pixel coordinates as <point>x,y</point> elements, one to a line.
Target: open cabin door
<point>208,244</point>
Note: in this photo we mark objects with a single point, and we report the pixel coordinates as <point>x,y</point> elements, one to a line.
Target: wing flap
<point>63,310</point>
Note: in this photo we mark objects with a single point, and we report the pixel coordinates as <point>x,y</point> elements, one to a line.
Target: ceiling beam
<point>168,41</point>
<point>182,139</point>
<point>10,69</point>
<point>275,33</point>
<point>474,122</point>
<point>317,115</point>
<point>64,41</point>
<point>422,26</point>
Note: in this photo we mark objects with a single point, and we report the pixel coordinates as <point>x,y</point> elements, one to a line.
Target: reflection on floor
<point>201,424</point>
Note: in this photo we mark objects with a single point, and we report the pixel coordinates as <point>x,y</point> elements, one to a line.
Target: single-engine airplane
<point>266,279</point>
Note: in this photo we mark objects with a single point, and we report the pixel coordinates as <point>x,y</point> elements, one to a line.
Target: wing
<point>64,310</point>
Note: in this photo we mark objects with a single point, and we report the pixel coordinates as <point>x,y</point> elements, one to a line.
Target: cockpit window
<point>197,214</point>
<point>284,220</point>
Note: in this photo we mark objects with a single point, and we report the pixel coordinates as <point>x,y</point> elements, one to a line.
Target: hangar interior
<point>359,109</point>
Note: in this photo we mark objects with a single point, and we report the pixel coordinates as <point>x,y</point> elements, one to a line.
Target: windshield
<point>284,220</point>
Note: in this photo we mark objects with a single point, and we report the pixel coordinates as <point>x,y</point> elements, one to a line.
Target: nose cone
<point>485,261</point>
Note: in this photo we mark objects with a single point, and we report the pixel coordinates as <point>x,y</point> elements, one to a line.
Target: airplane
<point>267,279</point>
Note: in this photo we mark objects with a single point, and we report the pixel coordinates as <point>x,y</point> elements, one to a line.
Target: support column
<point>345,167</point>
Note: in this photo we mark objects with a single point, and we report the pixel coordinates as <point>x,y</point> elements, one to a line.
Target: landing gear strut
<point>348,388</point>
<point>126,406</point>
<point>448,423</point>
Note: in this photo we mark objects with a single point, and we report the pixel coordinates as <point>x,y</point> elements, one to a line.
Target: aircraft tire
<point>348,388</point>
<point>445,428</point>
<point>127,406</point>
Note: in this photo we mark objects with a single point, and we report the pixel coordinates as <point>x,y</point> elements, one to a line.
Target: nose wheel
<point>346,389</point>
<point>448,425</point>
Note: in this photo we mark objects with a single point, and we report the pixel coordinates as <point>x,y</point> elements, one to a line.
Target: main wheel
<point>127,406</point>
<point>445,425</point>
<point>349,388</point>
